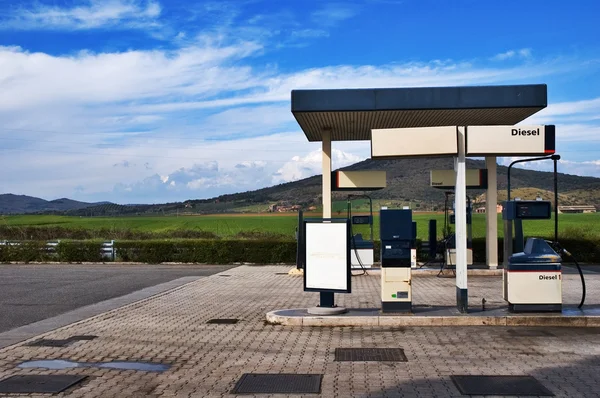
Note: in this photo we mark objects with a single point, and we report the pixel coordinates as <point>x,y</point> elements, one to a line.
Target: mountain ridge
<point>23,204</point>
<point>407,180</point>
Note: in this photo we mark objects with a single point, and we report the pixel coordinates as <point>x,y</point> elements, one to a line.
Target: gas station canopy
<point>351,114</point>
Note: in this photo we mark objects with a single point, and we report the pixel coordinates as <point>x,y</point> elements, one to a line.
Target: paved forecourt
<point>34,292</point>
<point>208,359</point>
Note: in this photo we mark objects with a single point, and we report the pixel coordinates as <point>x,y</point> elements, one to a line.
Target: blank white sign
<point>414,141</point>
<point>327,254</point>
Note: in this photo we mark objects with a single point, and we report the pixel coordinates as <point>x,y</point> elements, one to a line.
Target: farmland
<point>236,225</point>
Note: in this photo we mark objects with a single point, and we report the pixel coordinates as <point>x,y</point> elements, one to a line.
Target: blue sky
<point>137,101</point>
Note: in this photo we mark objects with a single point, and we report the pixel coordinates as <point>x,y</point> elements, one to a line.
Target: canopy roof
<point>351,114</point>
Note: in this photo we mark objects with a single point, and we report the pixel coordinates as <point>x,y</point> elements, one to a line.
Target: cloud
<point>522,53</point>
<point>576,121</point>
<point>309,33</point>
<point>124,163</point>
<point>301,167</point>
<point>195,121</point>
<point>589,168</point>
<point>333,13</point>
<point>91,14</point>
<point>36,79</point>
<point>209,179</point>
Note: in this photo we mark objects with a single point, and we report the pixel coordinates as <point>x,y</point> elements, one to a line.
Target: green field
<point>573,225</point>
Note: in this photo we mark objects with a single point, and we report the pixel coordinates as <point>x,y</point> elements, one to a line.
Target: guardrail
<point>107,248</point>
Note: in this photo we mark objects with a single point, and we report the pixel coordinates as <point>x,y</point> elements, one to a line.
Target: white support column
<point>460,211</point>
<point>491,216</point>
<point>326,173</point>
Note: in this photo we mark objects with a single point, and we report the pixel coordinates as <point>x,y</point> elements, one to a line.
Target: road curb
<point>275,318</point>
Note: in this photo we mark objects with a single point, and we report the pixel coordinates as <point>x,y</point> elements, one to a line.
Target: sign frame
<point>325,224</point>
<point>544,146</point>
<point>358,180</point>
<point>415,142</point>
<point>482,175</point>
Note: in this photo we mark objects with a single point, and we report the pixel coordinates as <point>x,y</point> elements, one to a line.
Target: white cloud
<point>35,79</point>
<point>89,14</point>
<point>576,121</point>
<point>521,53</point>
<point>572,108</point>
<point>589,168</point>
<point>333,13</point>
<point>301,167</point>
<point>163,110</point>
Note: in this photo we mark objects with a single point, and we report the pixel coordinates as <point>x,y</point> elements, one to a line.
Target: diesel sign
<point>532,140</point>
<point>525,132</point>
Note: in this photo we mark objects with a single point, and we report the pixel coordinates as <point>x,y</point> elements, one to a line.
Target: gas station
<point>455,122</point>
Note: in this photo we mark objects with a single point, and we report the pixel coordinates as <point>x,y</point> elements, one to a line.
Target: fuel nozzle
<point>558,248</point>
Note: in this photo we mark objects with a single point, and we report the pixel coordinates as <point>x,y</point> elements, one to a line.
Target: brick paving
<point>208,359</point>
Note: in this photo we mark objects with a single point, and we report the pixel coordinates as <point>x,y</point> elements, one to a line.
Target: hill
<point>407,179</point>
<point>22,204</point>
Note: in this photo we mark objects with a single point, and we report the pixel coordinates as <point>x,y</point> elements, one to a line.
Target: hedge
<point>221,251</point>
<point>27,251</point>
<point>77,251</point>
<point>208,251</point>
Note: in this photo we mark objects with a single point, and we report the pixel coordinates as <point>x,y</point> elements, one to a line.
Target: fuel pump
<point>397,255</point>
<point>532,278</point>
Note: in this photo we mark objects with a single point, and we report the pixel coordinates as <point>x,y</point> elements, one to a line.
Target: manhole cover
<point>49,343</point>
<point>83,338</point>
<point>59,343</point>
<point>500,385</point>
<point>38,384</point>
<point>257,383</point>
<point>530,333</point>
<point>223,321</point>
<point>281,273</point>
<point>370,354</point>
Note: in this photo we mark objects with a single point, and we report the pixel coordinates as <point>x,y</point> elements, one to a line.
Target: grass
<point>578,225</point>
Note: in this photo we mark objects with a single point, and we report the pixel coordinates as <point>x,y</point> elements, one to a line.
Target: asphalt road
<point>30,293</point>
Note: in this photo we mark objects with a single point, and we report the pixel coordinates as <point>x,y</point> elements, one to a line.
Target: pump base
<point>535,307</point>
<point>326,310</point>
<point>396,306</point>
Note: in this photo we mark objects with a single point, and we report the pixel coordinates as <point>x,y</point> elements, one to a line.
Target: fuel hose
<point>557,247</point>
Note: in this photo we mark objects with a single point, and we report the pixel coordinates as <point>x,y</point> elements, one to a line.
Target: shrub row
<point>157,251</point>
<point>18,232</point>
<point>222,251</point>
<point>208,251</point>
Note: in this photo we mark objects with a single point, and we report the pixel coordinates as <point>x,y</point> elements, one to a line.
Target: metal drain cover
<point>500,385</point>
<point>38,384</point>
<point>49,343</point>
<point>82,338</point>
<point>59,343</point>
<point>370,354</point>
<point>284,383</point>
<point>223,321</point>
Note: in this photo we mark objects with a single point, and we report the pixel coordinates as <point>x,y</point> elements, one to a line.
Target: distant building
<point>482,209</point>
<point>577,209</point>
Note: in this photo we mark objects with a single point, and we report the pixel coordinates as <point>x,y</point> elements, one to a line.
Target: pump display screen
<point>361,219</point>
<point>534,209</point>
<point>527,210</point>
